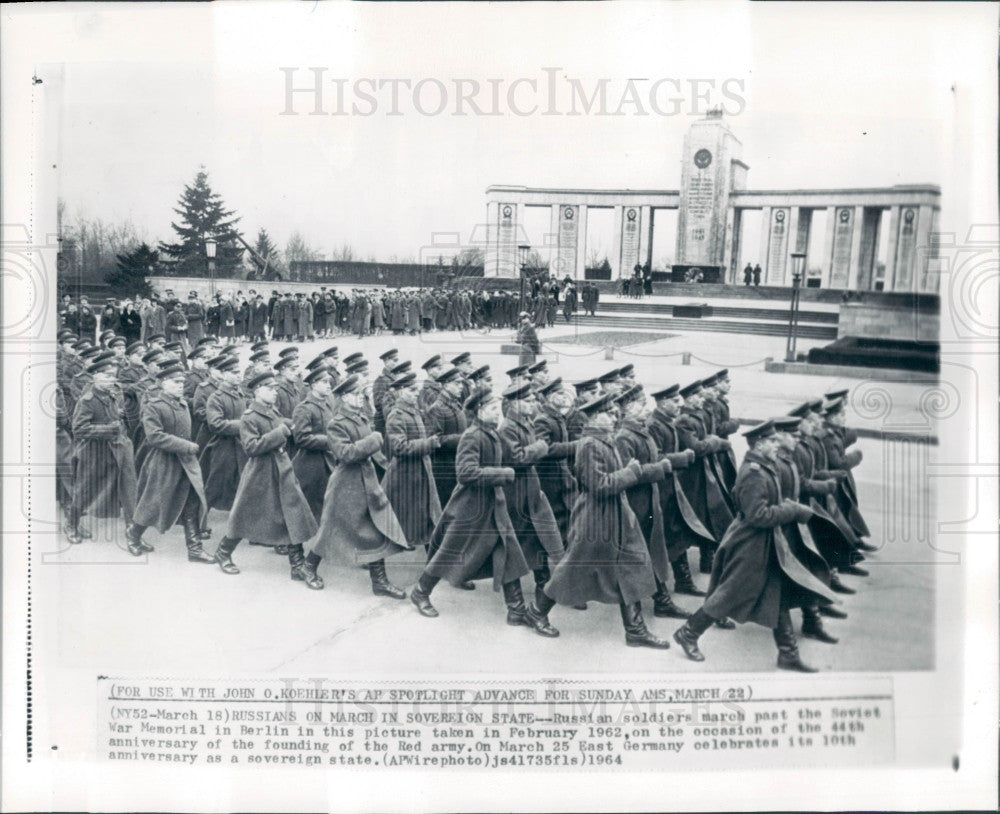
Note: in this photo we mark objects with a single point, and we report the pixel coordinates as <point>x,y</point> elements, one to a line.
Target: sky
<point>821,96</point>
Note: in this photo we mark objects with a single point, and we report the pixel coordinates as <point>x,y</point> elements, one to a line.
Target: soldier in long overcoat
<point>381,386</point>
<point>701,485</point>
<point>195,313</point>
<point>554,473</point>
<point>475,538</point>
<point>313,462</point>
<point>222,459</point>
<point>607,559</point>
<point>756,576</point>
<point>170,483</point>
<point>799,536</point>
<point>409,480</point>
<point>357,518</point>
<point>534,524</point>
<point>258,319</point>
<point>446,419</point>
<point>527,338</point>
<point>269,506</point>
<point>723,426</point>
<point>682,527</point>
<point>129,375</point>
<point>833,443</point>
<point>199,401</point>
<point>103,480</point>
<point>635,443</point>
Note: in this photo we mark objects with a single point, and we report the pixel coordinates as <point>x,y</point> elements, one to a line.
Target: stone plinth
<point>914,323</point>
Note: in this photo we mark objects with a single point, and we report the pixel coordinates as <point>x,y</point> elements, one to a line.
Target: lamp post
<point>522,253</point>
<point>210,245</point>
<point>798,267</point>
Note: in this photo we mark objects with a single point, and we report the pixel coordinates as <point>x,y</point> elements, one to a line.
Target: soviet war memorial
<point>560,391</point>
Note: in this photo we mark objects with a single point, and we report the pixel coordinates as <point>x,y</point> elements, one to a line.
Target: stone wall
<point>880,321</point>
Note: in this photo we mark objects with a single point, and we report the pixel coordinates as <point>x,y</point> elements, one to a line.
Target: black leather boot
<point>517,613</point>
<point>837,586</point>
<point>224,555</point>
<point>832,612</point>
<point>194,549</point>
<point>725,623</point>
<point>853,570</point>
<point>664,606</point>
<point>683,581</point>
<point>380,582</point>
<point>538,614</point>
<point>687,634</point>
<point>300,571</point>
<point>706,554</point>
<point>812,625</point>
<point>136,545</point>
<point>636,632</point>
<point>788,649</point>
<point>420,595</point>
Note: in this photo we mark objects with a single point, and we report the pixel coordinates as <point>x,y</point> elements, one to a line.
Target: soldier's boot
<point>683,581</point>
<point>312,562</point>
<point>300,572</point>
<point>195,551</point>
<point>663,604</point>
<point>205,534</point>
<point>421,595</point>
<point>853,570</point>
<point>224,554</point>
<point>725,623</point>
<point>687,634</point>
<point>380,582</point>
<point>636,632</point>
<point>136,545</point>
<point>832,612</point>
<point>518,614</point>
<point>538,614</point>
<point>788,649</point>
<point>837,586</point>
<point>812,625</point>
<point>72,527</point>
<point>706,553</point>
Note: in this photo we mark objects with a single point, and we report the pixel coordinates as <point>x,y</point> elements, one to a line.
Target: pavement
<point>99,611</point>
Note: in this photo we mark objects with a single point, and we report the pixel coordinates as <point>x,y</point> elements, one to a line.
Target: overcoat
<point>313,462</point>
<point>847,491</point>
<point>429,393</point>
<point>798,535</point>
<point>527,338</point>
<point>129,377</point>
<point>699,480</point>
<point>681,524</point>
<point>755,574</point>
<point>64,451</point>
<point>131,325</point>
<point>289,318</point>
<point>475,538</point>
<point>104,481</point>
<point>554,473</point>
<point>269,506</point>
<point>258,319</point>
<point>535,525</point>
<point>148,387</point>
<point>409,480</point>
<point>635,443</point>
<point>195,313</point>
<point>834,537</point>
<point>170,469</point>
<point>199,403</point>
<point>607,559</point>
<point>223,458</point>
<point>227,320</point>
<point>357,518</point>
<point>448,421</point>
<point>723,426</point>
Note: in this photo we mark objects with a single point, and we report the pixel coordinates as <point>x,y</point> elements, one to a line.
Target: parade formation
<point>600,491</point>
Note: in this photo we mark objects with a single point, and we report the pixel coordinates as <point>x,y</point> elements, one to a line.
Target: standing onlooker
<point>756,274</point>
<point>130,323</point>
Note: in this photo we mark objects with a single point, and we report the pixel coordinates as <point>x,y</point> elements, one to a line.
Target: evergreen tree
<point>264,247</point>
<point>202,215</point>
<point>129,279</point>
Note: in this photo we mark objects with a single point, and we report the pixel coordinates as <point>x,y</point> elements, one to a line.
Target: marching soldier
<point>682,526</point>
<point>222,458</point>
<point>539,373</point>
<point>170,483</point>
<point>104,482</point>
<point>475,538</point>
<point>534,524</point>
<point>199,401</point>
<point>755,575</point>
<point>260,363</point>
<point>699,480</point>
<point>554,473</point>
<point>197,371</point>
<point>586,391</point>
<point>409,480</point>
<point>269,506</point>
<point>635,443</point>
<point>313,461</point>
<point>446,419</point>
<point>832,436</point>
<point>431,388</point>
<point>357,517</point>
<point>381,385</point>
<point>129,375</point>
<point>607,559</point>
<point>463,362</point>
<point>724,425</point>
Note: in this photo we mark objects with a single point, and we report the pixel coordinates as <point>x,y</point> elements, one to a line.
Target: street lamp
<point>798,267</point>
<point>522,253</point>
<point>210,245</point>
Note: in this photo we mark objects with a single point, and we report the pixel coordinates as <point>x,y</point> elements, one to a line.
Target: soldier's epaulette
<point>754,467</point>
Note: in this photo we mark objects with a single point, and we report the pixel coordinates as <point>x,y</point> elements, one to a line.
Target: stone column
<point>827,262</point>
<point>925,223</point>
<point>554,241</point>
<point>729,272</point>
<point>765,242</point>
<point>856,247</point>
<point>581,244</point>
<point>646,235</point>
<point>616,242</point>
<point>890,252</point>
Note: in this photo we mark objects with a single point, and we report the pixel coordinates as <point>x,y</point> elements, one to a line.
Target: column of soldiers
<point>597,491</point>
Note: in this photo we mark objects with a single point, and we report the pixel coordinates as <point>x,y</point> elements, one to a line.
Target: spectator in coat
<point>195,313</point>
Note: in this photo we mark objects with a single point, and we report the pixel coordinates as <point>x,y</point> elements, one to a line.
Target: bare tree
<point>345,253</point>
<point>297,250</point>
